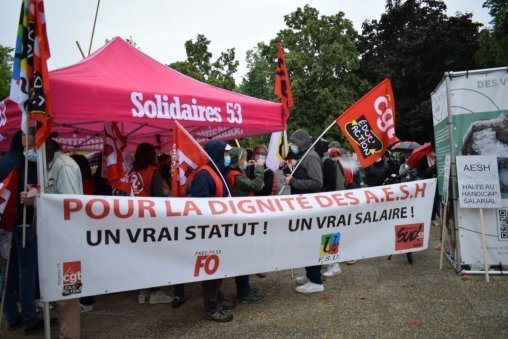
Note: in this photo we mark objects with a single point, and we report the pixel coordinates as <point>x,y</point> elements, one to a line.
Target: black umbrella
<point>405,146</point>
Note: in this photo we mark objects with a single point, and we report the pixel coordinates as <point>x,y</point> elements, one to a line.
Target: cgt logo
<point>210,263</point>
<point>72,272</point>
<point>408,236</point>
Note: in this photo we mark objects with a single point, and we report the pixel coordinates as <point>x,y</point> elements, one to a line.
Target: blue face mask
<point>227,160</point>
<point>294,149</point>
<point>31,155</point>
<point>260,157</point>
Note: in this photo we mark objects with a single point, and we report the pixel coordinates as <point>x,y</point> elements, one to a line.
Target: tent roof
<point>119,83</point>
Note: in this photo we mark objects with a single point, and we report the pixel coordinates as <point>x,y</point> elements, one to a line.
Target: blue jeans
<point>242,286</point>
<point>22,278</point>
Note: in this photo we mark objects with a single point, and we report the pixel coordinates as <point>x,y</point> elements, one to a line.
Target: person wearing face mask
<point>22,276</point>
<point>206,184</point>
<point>307,178</point>
<point>270,184</point>
<point>241,186</point>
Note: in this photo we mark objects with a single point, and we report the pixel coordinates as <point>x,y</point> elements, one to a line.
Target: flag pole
<point>93,29</point>
<point>308,150</point>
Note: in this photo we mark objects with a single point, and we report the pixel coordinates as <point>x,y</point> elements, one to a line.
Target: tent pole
<point>93,29</point>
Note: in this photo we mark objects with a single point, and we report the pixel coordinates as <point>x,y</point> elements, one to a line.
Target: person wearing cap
<point>307,178</point>
<point>333,180</point>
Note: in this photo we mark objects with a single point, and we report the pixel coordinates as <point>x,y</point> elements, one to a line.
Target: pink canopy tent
<point>119,83</point>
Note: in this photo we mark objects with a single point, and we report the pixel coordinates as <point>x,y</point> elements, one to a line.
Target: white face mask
<point>260,157</point>
<point>31,155</point>
<point>243,165</point>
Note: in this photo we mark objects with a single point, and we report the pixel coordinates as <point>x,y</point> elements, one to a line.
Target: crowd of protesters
<point>242,172</point>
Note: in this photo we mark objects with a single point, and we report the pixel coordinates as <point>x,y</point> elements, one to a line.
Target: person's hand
<point>25,199</point>
<point>288,179</point>
<point>260,162</point>
<point>251,163</point>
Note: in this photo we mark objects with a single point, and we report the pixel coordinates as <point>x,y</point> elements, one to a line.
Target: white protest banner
<point>478,181</point>
<point>91,245</point>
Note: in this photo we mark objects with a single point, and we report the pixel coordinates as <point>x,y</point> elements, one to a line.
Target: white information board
<point>478,181</point>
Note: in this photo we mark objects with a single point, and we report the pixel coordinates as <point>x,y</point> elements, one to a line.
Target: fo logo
<point>408,236</point>
<point>209,263</point>
<point>71,278</point>
<point>329,244</point>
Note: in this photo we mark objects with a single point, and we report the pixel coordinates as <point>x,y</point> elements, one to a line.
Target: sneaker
<point>39,308</point>
<point>142,297</point>
<point>333,269</point>
<point>252,298</point>
<point>302,280</point>
<point>85,308</point>
<point>219,316</point>
<point>228,305</point>
<point>178,301</point>
<point>310,287</point>
<point>351,262</point>
<point>159,297</point>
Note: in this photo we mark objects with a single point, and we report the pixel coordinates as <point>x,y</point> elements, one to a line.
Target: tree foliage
<point>413,44</point>
<point>493,51</point>
<point>199,65</point>
<point>321,57</point>
<point>6,59</point>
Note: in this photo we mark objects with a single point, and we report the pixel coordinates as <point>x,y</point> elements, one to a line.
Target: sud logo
<point>71,278</point>
<point>408,236</point>
<point>329,249</point>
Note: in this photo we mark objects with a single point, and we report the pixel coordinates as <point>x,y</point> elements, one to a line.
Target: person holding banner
<point>146,181</point>
<point>207,183</point>
<point>333,180</point>
<point>22,274</point>
<point>307,178</point>
<point>63,177</point>
<point>242,186</point>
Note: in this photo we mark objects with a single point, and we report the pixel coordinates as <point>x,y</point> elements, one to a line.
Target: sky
<point>160,28</point>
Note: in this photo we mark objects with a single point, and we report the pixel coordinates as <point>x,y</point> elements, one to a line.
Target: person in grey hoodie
<point>308,178</point>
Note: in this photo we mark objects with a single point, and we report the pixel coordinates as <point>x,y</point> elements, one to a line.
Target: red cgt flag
<point>369,124</point>
<point>188,156</point>
<point>118,159</point>
<point>282,83</point>
<point>8,194</point>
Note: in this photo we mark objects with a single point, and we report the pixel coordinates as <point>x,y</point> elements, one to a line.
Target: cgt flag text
<point>369,124</point>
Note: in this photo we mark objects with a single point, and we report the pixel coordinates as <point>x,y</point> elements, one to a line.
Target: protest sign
<point>103,244</point>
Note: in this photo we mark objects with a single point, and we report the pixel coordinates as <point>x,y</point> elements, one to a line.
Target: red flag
<point>30,82</point>
<point>188,155</point>
<point>282,83</point>
<point>369,124</point>
<point>8,194</point>
<point>117,158</point>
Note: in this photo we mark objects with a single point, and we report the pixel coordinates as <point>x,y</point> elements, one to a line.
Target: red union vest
<point>219,189</point>
<point>141,180</point>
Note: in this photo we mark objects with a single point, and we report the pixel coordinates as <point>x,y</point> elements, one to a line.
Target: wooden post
<point>484,245</point>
